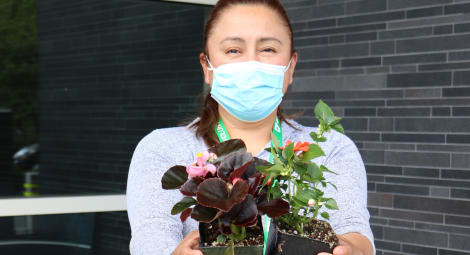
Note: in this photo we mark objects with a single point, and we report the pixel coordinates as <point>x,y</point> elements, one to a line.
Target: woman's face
<point>249,32</point>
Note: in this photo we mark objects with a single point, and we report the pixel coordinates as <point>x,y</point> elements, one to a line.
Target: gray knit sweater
<point>155,231</point>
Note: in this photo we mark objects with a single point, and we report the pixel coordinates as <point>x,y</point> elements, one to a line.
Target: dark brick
<point>401,223</point>
<point>426,181</point>
<point>386,245</point>
<point>402,189</point>
<point>460,193</point>
<point>423,92</point>
<point>416,249</point>
<point>440,111</point>
<point>360,112</point>
<point>381,124</point>
<point>457,8</point>
<point>358,37</point>
<point>417,158</point>
<point>424,12</point>
<point>451,252</point>
<point>370,18</point>
<point>431,204</point>
<point>411,215</point>
<point>349,50</point>
<point>423,172</point>
<point>418,138</point>
<point>321,23</point>
<point>462,78</point>
<point>451,42</point>
<point>399,4</point>
<point>366,6</point>
<point>377,231</point>
<point>461,111</point>
<point>404,112</point>
<point>372,156</point>
<point>460,242</point>
<point>442,30</point>
<point>457,220</point>
<point>458,138</point>
<point>456,92</point>
<point>360,62</point>
<point>432,125</point>
<point>456,174</point>
<point>381,48</point>
<point>460,160</point>
<point>405,33</point>
<point>336,39</point>
<point>340,30</point>
<point>380,169</point>
<point>416,236</point>
<point>424,102</point>
<point>447,66</point>
<point>460,55</point>
<point>354,124</point>
<point>367,94</point>
<point>361,136</point>
<point>414,58</point>
<point>419,79</point>
<point>462,28</point>
<point>317,64</point>
<point>379,199</point>
<point>311,11</point>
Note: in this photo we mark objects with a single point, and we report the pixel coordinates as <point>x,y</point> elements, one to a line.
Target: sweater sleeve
<point>351,194</point>
<point>154,230</point>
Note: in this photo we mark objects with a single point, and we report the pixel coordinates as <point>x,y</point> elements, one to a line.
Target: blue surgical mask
<point>250,91</point>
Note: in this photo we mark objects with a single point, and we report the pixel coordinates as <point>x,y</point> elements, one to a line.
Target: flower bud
<point>311,202</point>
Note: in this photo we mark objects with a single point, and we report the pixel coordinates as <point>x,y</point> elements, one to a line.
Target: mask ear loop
<point>287,67</point>
<point>211,68</point>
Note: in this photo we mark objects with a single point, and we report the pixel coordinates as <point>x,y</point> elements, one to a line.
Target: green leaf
<point>314,171</point>
<point>334,186</point>
<point>325,169</point>
<point>221,239</point>
<point>288,151</point>
<point>174,177</point>
<point>182,205</point>
<point>323,112</point>
<point>338,127</point>
<point>314,151</point>
<point>331,204</point>
<point>305,195</point>
<point>325,215</point>
<point>317,138</point>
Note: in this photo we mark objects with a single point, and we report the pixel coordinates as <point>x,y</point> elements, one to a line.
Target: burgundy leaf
<point>174,177</point>
<point>185,214</point>
<point>251,169</point>
<point>227,147</point>
<point>254,183</point>
<point>204,214</point>
<point>248,214</point>
<point>189,188</point>
<point>215,193</point>
<point>234,165</point>
<point>274,208</point>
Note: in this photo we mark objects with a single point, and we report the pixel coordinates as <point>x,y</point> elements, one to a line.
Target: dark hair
<point>209,116</point>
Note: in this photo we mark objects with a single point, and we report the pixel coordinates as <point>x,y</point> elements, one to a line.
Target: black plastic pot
<point>286,244</point>
<point>220,250</point>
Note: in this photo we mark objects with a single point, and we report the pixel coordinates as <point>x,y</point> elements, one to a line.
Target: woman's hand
<point>351,244</point>
<point>189,245</point>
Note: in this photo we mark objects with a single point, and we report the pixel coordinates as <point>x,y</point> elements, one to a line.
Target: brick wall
<point>111,71</point>
<point>399,73</point>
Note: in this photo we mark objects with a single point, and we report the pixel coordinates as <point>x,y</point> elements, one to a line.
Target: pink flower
<point>195,171</point>
<point>201,167</point>
<point>311,202</point>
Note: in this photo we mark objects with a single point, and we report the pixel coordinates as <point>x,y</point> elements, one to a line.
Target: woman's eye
<point>232,51</point>
<point>269,50</point>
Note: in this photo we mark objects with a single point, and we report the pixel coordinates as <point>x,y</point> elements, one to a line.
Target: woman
<point>248,61</point>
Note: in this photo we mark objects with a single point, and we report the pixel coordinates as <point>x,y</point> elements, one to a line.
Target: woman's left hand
<point>346,246</point>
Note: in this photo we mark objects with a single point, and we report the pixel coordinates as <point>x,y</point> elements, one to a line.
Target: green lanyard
<point>223,136</point>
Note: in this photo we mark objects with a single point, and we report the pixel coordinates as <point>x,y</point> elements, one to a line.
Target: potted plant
<point>295,178</point>
<point>222,190</point>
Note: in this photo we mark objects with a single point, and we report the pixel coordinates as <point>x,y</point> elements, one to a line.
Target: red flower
<point>299,146</point>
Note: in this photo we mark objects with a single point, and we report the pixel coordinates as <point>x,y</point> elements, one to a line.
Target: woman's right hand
<point>189,245</point>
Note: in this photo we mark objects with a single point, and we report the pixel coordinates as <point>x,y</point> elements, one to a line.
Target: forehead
<point>249,20</point>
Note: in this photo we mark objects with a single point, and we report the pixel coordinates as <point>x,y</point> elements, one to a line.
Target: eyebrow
<point>240,40</point>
